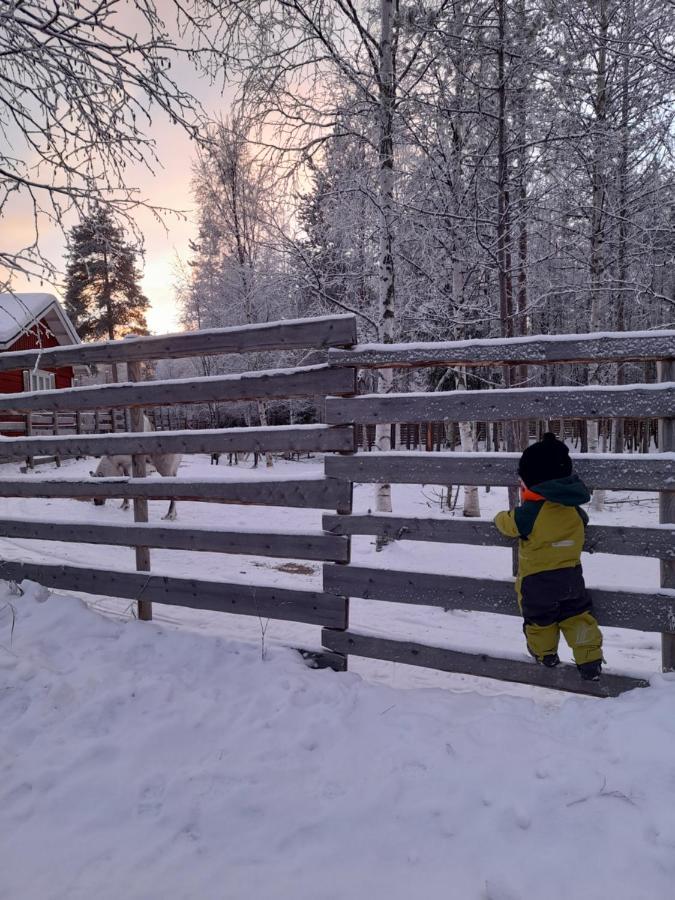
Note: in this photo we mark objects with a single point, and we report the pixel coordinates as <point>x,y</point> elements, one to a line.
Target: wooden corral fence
<point>332,491</point>
<point>144,585</point>
<point>644,611</point>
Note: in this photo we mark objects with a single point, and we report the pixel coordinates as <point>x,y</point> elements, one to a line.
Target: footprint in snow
<point>152,796</point>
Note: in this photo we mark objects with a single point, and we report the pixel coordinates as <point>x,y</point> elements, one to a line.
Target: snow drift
<point>144,762</point>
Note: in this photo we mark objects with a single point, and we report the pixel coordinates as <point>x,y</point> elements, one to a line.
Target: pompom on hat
<point>546,460</point>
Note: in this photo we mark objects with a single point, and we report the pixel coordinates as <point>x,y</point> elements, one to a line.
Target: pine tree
<point>103,295</point>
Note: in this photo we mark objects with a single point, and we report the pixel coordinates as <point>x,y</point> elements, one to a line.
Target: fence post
<point>346,509</point>
<point>29,433</point>
<point>55,432</point>
<point>666,372</point>
<point>139,470</point>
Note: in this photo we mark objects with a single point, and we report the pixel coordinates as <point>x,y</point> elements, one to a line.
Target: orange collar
<point>527,494</point>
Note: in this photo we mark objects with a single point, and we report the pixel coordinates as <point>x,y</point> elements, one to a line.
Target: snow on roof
<point>19,312</point>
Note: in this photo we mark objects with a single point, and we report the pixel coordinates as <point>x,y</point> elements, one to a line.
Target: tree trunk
<point>522,207</point>
<point>467,440</point>
<point>511,430</point>
<point>262,415</point>
<point>597,217</point>
<point>387,94</point>
<point>618,438</point>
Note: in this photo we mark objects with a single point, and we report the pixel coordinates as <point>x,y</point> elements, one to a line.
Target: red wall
<point>12,382</point>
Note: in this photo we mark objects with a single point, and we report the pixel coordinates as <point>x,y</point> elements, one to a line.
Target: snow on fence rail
<point>309,381</point>
<point>538,350</point>
<point>633,400</point>
<point>292,334</point>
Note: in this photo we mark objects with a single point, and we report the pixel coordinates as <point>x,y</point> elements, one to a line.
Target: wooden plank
<point>320,438</point>
<point>538,349</point>
<point>311,607</point>
<point>638,472</point>
<point>279,384</point>
<point>666,372</point>
<point>309,493</point>
<point>317,546</point>
<point>562,678</point>
<point>643,611</point>
<point>632,400</point>
<point>658,542</point>
<point>292,334</point>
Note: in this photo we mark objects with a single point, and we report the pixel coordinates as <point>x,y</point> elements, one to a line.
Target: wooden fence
<point>147,586</point>
<point>333,491</point>
<point>644,611</point>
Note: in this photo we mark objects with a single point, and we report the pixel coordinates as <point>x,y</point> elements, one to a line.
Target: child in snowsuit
<point>550,586</point>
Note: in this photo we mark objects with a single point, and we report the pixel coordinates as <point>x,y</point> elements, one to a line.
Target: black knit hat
<point>549,458</point>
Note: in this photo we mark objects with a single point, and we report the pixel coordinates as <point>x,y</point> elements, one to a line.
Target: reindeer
<point>165,464</point>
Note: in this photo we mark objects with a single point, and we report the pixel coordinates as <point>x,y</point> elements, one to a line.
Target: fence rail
<point>563,678</point>
<point>319,546</point>
<point>638,472</point>
<point>535,350</point>
<point>657,542</point>
<point>310,607</point>
<point>642,611</point>
<point>320,332</point>
<point>310,493</point>
<point>315,381</point>
<point>633,400</point>
<point>279,438</point>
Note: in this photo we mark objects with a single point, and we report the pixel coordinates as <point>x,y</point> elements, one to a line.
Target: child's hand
<point>506,524</point>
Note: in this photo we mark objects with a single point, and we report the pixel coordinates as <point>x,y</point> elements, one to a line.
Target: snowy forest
<point>443,169</point>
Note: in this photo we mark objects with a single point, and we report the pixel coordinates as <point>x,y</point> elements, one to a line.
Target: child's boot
<point>590,671</point>
<point>550,660</point>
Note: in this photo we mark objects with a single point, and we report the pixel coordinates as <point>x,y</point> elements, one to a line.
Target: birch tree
<point>290,56</point>
<point>236,277</point>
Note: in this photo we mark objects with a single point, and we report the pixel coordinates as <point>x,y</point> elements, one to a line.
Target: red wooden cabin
<point>29,322</point>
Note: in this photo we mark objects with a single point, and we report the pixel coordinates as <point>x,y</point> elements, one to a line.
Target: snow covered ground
<point>168,760</point>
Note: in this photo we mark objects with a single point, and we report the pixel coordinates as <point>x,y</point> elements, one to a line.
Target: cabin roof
<point>19,312</point>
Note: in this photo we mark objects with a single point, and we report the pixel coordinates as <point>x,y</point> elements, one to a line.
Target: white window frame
<point>38,380</point>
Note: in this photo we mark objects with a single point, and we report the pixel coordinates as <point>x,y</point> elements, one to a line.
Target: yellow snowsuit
<point>550,585</point>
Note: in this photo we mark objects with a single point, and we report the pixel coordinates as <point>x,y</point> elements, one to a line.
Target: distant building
<point>29,322</point>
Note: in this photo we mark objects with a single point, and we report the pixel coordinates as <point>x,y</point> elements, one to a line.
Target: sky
<point>168,186</point>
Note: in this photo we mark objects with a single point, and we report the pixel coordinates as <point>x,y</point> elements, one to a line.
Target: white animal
<point>166,464</point>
